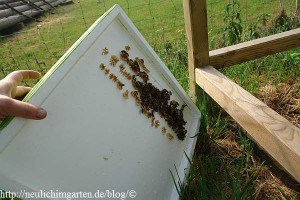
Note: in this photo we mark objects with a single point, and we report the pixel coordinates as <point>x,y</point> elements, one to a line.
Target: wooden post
<point>297,6</point>
<point>195,16</point>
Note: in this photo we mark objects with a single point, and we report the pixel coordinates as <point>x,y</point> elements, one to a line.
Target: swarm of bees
<point>150,98</point>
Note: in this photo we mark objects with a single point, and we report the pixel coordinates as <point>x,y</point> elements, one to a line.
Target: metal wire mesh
<point>39,44</point>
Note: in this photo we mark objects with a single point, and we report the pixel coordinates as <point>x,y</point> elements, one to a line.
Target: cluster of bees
<point>146,95</point>
<point>112,76</point>
<point>155,100</point>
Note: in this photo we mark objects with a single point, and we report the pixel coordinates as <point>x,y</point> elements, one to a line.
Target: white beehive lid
<point>94,139</point>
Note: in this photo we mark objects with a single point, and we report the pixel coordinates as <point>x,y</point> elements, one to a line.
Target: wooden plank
<point>195,16</point>
<point>276,135</point>
<point>254,49</point>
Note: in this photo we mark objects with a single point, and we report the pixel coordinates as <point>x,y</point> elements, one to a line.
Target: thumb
<point>25,110</point>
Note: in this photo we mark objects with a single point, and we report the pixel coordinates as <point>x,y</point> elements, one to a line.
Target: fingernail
<point>41,113</point>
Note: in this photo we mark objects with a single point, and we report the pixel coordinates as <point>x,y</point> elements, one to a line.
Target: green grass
<point>39,45</point>
<point>224,165</point>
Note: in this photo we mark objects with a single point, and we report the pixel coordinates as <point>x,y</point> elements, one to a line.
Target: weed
<point>255,30</point>
<point>233,29</point>
<point>283,22</point>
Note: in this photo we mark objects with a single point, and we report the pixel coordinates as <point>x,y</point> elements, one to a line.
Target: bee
<point>127,48</point>
<point>128,76</point>
<point>134,93</point>
<point>136,84</point>
<point>137,99</point>
<point>102,66</point>
<point>170,136</point>
<point>174,104</point>
<point>183,106</point>
<point>104,51</point>
<point>142,64</point>
<point>152,121</point>
<point>146,112</point>
<point>125,94</point>
<point>113,60</point>
<point>120,85</point>
<point>106,71</point>
<point>115,78</point>
<point>135,67</point>
<point>130,62</point>
<point>156,123</point>
<point>143,76</point>
<point>124,72</point>
<point>124,55</point>
<point>111,76</point>
<point>122,67</point>
<point>163,130</point>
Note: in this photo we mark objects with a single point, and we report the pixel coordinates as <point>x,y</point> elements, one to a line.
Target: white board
<point>93,139</point>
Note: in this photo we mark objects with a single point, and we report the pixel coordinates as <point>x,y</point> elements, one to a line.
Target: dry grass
<point>266,185</point>
<point>284,99</point>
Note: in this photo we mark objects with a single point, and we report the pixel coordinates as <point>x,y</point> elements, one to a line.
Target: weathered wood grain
<point>195,15</point>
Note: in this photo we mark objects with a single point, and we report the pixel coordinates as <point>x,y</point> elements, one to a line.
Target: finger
<point>21,91</point>
<point>20,75</point>
<point>25,110</point>
<point>6,87</point>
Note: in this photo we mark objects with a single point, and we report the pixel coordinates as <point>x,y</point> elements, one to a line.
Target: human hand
<point>9,90</point>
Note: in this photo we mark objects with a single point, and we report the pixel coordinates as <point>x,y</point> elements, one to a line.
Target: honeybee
<point>128,76</point>
<point>125,94</point>
<point>122,67</point>
<point>136,84</point>
<point>120,85</point>
<point>127,48</point>
<point>174,104</point>
<point>124,55</point>
<point>135,67</point>
<point>170,136</point>
<point>130,62</point>
<point>152,121</point>
<point>142,64</point>
<point>104,51</point>
<point>156,123</point>
<point>143,76</point>
<point>137,99</point>
<point>163,130</point>
<point>111,76</point>
<point>113,60</point>
<point>102,66</point>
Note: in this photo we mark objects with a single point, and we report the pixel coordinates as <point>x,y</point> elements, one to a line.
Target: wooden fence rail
<point>254,49</point>
<point>278,137</point>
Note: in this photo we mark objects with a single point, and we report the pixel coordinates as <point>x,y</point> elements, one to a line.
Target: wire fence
<point>39,44</point>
